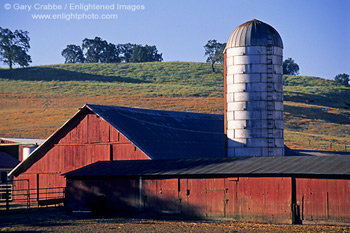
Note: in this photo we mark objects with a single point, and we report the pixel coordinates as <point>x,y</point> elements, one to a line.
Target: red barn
<point>176,165</point>
<point>307,189</point>
<point>106,133</point>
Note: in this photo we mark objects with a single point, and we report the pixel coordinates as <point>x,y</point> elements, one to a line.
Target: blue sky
<point>315,33</point>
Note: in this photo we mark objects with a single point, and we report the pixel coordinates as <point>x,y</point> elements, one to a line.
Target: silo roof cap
<point>254,33</point>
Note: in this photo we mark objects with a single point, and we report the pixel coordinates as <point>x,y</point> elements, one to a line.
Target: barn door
<point>232,202</point>
<point>203,197</point>
<point>312,198</point>
<point>314,206</point>
<point>169,196</point>
<point>216,197</point>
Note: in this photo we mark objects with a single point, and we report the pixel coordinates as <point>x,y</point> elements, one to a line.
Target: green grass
<point>155,79</point>
<point>185,73</point>
<point>95,88</point>
<point>318,91</point>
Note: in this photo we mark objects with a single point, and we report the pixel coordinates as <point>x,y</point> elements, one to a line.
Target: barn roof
<point>7,161</point>
<point>167,134</point>
<point>294,165</point>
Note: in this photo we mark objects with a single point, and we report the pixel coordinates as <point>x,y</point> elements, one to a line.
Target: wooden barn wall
<point>323,200</point>
<point>256,199</point>
<point>86,140</point>
<point>243,198</point>
<point>117,194</point>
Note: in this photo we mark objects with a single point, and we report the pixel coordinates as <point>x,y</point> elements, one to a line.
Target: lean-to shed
<point>307,189</point>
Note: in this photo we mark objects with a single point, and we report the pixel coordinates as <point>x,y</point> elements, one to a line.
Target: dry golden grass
<point>36,116</point>
<point>316,127</point>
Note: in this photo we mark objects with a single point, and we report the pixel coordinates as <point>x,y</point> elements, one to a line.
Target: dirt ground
<point>56,220</point>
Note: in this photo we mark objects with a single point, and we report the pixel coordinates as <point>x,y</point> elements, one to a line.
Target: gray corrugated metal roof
<point>167,134</point>
<point>295,165</point>
<point>254,33</point>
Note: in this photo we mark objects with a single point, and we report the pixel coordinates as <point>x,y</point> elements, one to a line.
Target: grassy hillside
<point>35,101</point>
<point>155,79</point>
<point>317,91</point>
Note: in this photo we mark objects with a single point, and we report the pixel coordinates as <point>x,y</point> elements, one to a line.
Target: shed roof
<point>294,165</point>
<point>7,161</point>
<point>254,33</point>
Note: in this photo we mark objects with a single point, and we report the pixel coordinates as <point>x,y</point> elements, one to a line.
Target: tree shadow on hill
<point>334,100</point>
<point>52,74</point>
<point>318,114</point>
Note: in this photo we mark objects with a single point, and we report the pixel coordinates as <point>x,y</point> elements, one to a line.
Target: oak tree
<point>214,50</point>
<point>290,67</point>
<point>14,47</point>
<point>73,54</point>
<point>342,79</point>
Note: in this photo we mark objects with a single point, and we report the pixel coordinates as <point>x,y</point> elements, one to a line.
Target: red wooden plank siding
<point>264,199</point>
<point>192,193</point>
<point>248,198</point>
<point>87,139</point>
<point>127,151</point>
<point>323,200</point>
<point>169,195</point>
<point>150,190</point>
<point>215,197</point>
<point>243,198</point>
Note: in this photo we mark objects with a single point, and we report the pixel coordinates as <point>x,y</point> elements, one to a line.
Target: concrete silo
<point>253,91</point>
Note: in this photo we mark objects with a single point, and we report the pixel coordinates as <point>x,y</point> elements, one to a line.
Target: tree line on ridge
<point>100,51</point>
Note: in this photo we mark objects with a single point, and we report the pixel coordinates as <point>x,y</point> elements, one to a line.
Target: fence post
<point>28,194</point>
<point>7,197</point>
<point>37,188</point>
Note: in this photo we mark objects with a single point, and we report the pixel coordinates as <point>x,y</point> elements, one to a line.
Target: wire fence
<point>320,145</point>
<point>330,146</point>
